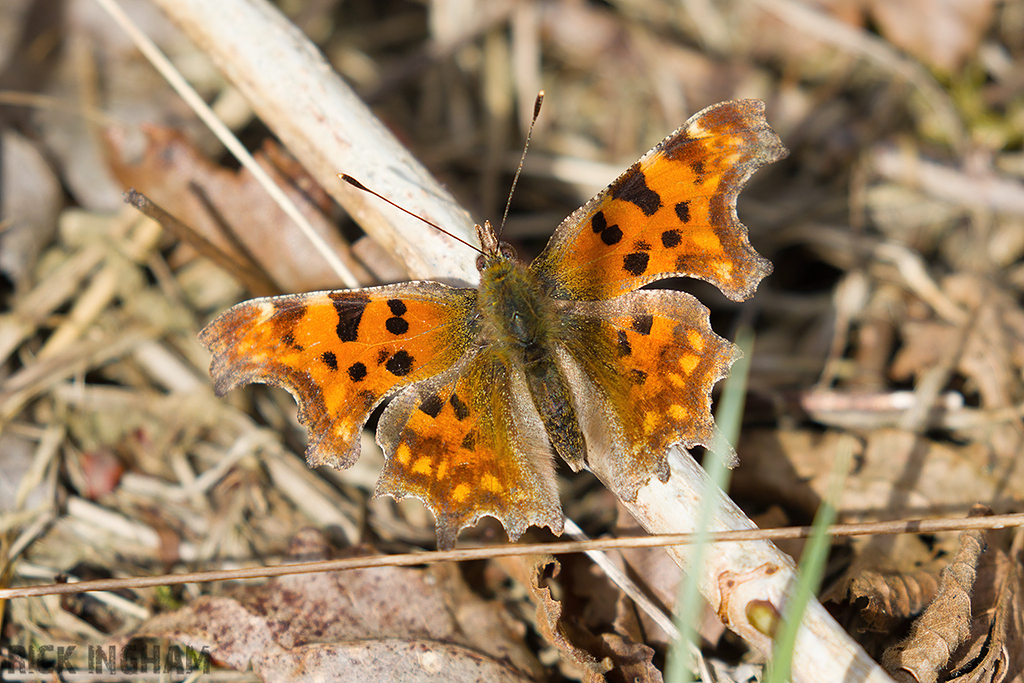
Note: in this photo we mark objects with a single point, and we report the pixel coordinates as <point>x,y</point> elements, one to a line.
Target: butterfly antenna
<point>359,186</point>
<point>536,112</point>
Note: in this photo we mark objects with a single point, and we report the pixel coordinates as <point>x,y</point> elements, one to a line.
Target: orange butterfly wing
<point>672,213</point>
<point>645,363</point>
<point>470,443</point>
<point>340,353</point>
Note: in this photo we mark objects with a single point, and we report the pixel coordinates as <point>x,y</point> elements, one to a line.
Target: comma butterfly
<point>539,359</point>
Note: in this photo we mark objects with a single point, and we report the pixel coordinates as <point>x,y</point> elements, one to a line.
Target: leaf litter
<point>894,315</point>
<point>399,622</point>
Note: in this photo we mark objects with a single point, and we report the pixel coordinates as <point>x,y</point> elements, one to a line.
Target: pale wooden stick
<point>327,127</point>
<point>329,130</point>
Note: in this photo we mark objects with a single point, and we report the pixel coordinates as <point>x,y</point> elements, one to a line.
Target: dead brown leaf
<point>891,598</point>
<point>941,33</point>
<point>945,625</point>
<point>353,623</point>
<point>993,652</point>
<point>533,572</point>
<point>632,659</point>
<point>230,210</point>
<point>580,613</point>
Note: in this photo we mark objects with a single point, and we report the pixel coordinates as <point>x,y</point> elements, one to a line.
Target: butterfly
<point>487,384</point>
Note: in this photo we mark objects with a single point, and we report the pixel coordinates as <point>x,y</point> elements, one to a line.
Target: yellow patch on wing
<point>651,420</point>
<point>689,361</point>
<point>707,241</point>
<point>460,493</point>
<point>678,412</point>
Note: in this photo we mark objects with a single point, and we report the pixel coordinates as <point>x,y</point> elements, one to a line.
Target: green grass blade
<point>729,418</point>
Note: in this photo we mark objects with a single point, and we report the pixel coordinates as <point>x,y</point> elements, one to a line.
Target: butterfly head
<point>493,249</point>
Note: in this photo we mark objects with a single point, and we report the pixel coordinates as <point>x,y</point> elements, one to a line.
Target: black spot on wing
<point>610,234</point>
<point>683,211</point>
<point>397,307</point>
<point>357,372</point>
<point>461,409</point>
<point>643,323</point>
<point>469,441</point>
<point>382,356</point>
<point>350,308</point>
<point>633,188</point>
<point>396,326</point>
<point>671,238</point>
<point>399,364</point>
<point>432,405</point>
<point>636,263</point>
<point>329,359</point>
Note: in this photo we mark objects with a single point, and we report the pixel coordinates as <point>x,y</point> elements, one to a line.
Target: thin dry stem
<point>738,538</point>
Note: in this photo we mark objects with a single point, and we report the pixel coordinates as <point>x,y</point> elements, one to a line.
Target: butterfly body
<point>564,356</point>
<point>515,312</point>
<point>523,323</point>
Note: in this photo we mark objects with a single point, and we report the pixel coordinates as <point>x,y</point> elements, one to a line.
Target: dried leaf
<point>942,33</point>
<point>891,597</point>
<point>945,625</point>
<point>993,652</point>
<point>356,621</point>
<point>532,572</point>
<point>232,211</point>
<point>633,659</point>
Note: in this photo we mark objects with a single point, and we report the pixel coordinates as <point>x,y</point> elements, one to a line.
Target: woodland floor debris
<point>894,313</point>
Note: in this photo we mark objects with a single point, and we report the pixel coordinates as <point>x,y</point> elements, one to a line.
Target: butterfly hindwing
<point>646,363</point>
<point>340,353</point>
<point>469,443</point>
<point>672,213</point>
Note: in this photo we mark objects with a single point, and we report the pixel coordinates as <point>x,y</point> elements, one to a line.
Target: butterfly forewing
<point>339,353</point>
<point>470,443</point>
<point>673,213</point>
